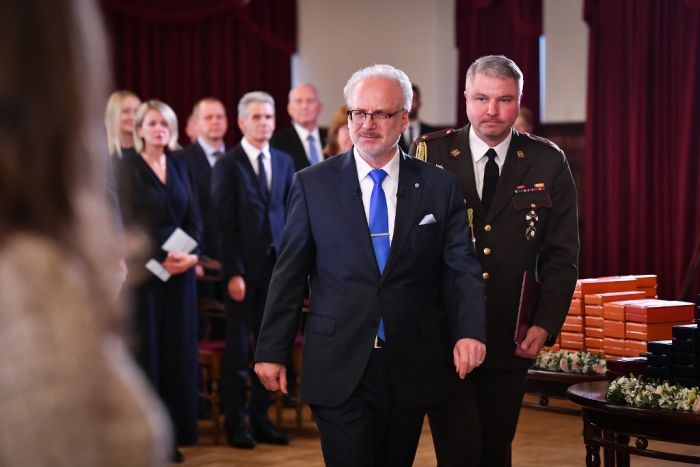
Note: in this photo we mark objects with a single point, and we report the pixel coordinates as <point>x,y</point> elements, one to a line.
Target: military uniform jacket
<point>535,178</point>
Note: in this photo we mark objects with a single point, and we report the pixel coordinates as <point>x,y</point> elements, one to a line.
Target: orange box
<point>555,347</point>
<point>606,284</point>
<point>571,345</point>
<point>576,307</point>
<point>616,310</point>
<point>577,295</point>
<point>594,342</point>
<point>573,323</point>
<point>660,311</point>
<point>613,346</point>
<point>594,332</point>
<point>649,332</point>
<point>645,280</point>
<point>600,298</point>
<point>649,292</point>
<point>594,321</point>
<point>614,329</point>
<point>594,310</point>
<point>634,348</point>
<point>571,337</point>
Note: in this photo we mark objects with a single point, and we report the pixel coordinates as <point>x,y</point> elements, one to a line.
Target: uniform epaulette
<point>541,140</point>
<point>436,134</point>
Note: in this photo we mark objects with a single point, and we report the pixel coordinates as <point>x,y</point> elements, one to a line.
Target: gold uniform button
<point>487,251</point>
<point>485,276</point>
<point>487,227</point>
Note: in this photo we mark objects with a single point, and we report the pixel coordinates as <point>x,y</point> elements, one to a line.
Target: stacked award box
<point>616,316</point>
<point>677,359</point>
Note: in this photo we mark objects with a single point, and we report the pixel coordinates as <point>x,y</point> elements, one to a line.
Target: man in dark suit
<point>304,140</point>
<point>250,185</point>
<point>382,237</point>
<point>415,126</point>
<point>209,115</point>
<point>521,201</point>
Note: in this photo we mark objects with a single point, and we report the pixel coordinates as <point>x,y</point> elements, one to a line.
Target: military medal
<point>531,218</point>
<point>470,218</point>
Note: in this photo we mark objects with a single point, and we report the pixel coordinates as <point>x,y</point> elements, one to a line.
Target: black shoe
<point>242,437</point>
<point>177,457</point>
<point>289,401</point>
<point>265,432</point>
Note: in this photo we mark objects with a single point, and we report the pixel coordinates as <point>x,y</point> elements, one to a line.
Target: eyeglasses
<point>358,117</point>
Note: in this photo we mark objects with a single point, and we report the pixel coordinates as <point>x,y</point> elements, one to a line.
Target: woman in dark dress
<point>157,195</point>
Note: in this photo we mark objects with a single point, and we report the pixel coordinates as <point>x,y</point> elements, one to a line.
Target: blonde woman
<point>69,393</point>
<point>156,194</point>
<point>119,121</point>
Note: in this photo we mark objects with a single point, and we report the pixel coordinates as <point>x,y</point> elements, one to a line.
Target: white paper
<point>158,270</point>
<point>180,242</point>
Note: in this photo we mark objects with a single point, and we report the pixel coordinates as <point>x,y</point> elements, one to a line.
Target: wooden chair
<point>210,353</point>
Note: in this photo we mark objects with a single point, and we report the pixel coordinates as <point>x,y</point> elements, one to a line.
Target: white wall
<point>566,62</point>
<point>337,37</point>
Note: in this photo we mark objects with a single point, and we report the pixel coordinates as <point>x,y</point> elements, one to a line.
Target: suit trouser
<point>243,320</point>
<point>370,428</point>
<point>476,426</point>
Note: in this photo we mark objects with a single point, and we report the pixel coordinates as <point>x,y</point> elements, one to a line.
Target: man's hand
<point>177,263</point>
<point>236,288</point>
<point>468,354</point>
<point>272,375</point>
<point>533,342</point>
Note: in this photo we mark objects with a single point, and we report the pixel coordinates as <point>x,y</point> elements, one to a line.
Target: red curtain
<point>181,51</point>
<point>641,171</point>
<point>500,27</point>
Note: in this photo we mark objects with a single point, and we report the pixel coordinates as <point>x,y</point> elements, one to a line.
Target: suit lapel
<point>514,169</point>
<point>408,199</point>
<point>246,167</point>
<point>463,165</point>
<point>202,163</point>
<point>276,186</point>
<point>348,190</point>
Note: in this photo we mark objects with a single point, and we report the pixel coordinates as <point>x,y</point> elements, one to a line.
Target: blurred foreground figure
<point>69,394</point>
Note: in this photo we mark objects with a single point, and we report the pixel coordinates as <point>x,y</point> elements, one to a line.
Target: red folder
<point>529,294</point>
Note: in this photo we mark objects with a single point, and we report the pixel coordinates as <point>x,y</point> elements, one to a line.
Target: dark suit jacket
<point>197,164</point>
<point>424,130</point>
<point>501,233</point>
<point>327,237</point>
<point>288,140</point>
<point>248,226</point>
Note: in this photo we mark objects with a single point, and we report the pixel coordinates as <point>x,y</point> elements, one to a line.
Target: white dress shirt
<point>478,149</point>
<point>390,185</point>
<point>252,152</point>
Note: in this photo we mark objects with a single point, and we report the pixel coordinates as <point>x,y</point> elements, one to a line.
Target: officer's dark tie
<point>490,180</point>
<point>379,229</point>
<point>262,177</point>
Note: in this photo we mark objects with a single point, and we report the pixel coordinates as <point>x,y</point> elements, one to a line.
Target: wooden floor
<point>542,439</point>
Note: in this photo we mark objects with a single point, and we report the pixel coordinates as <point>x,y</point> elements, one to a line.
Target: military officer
<point>522,213</point>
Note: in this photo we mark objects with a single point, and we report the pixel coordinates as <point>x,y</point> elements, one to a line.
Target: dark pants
<point>243,320</point>
<point>370,428</point>
<point>477,424</point>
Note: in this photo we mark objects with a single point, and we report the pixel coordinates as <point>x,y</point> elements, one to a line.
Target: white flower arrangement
<point>565,361</point>
<point>630,390</point>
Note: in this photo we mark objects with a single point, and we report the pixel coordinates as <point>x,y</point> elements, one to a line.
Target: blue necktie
<point>313,151</point>
<point>379,228</point>
<point>262,177</point>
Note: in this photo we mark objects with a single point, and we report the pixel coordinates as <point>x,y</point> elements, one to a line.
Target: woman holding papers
<point>157,196</point>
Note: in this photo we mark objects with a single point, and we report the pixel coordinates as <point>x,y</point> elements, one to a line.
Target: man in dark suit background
<point>250,185</point>
<point>415,126</point>
<point>304,140</point>
<point>520,193</point>
<point>382,237</point>
<point>209,115</point>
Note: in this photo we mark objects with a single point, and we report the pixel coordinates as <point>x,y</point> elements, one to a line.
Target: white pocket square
<point>427,219</point>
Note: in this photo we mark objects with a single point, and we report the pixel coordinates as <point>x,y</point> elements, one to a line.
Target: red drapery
<point>181,51</point>
<point>641,171</point>
<point>506,27</point>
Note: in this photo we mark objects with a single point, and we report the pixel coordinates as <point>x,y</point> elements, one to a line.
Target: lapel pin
<point>417,185</point>
<point>520,154</point>
<point>455,153</point>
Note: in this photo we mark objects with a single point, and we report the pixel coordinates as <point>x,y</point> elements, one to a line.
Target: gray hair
<point>169,116</point>
<point>381,71</point>
<point>499,66</point>
<point>254,96</point>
